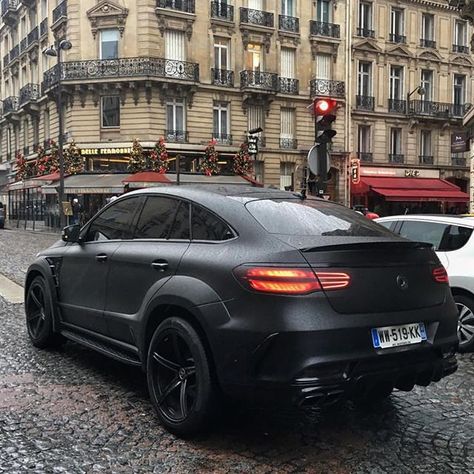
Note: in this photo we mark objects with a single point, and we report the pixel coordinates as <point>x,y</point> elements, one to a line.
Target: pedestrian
<point>76,211</point>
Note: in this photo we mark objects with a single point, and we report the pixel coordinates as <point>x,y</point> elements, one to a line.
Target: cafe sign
<point>105,151</point>
<point>459,142</point>
<point>399,172</point>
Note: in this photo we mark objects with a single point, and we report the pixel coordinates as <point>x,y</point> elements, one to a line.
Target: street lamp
<point>420,90</point>
<point>55,51</point>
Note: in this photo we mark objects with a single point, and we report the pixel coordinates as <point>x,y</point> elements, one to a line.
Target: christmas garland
<point>21,167</point>
<point>209,165</point>
<point>159,157</point>
<point>47,163</point>
<point>137,158</point>
<point>242,162</point>
<point>74,163</point>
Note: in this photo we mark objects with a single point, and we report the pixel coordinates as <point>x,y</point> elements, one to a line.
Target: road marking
<point>10,291</point>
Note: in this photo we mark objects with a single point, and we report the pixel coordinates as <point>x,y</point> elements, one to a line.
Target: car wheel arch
<point>457,291</point>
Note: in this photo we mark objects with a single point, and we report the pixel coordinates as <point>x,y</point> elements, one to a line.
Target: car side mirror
<point>71,233</point>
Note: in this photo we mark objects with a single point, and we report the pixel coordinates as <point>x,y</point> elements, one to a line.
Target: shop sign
<point>459,142</point>
<point>355,171</point>
<point>399,172</point>
<point>412,173</point>
<point>105,151</point>
<point>252,141</point>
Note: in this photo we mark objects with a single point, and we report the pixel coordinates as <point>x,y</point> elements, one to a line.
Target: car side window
<point>390,225</point>
<point>181,229</point>
<point>156,218</point>
<point>430,232</point>
<point>206,226</point>
<point>115,222</point>
<point>455,237</point>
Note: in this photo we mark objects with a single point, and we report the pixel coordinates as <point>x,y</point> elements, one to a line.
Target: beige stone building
<point>192,70</point>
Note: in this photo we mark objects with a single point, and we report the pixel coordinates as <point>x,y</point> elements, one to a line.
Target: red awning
<point>147,177</point>
<point>411,189</point>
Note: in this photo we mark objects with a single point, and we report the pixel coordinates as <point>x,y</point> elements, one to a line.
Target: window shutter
<point>175,45</point>
<point>323,66</point>
<point>287,123</point>
<point>288,63</point>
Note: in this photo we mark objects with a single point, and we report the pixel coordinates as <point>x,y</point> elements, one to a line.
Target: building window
<point>109,40</point>
<point>110,111</point>
<point>323,66</point>
<point>459,92</point>
<point>397,26</point>
<point>364,82</point>
<point>396,82</point>
<point>36,132</point>
<point>324,11</point>
<point>259,170</point>
<point>256,4</point>
<point>175,45</point>
<point>395,141</point>
<point>364,142</point>
<point>46,126</point>
<point>460,33</point>
<point>288,7</point>
<point>427,27</point>
<point>287,65</point>
<point>254,58</point>
<point>221,122</point>
<point>286,175</point>
<point>175,120</point>
<point>221,54</point>
<point>287,128</point>
<point>427,84</point>
<point>365,18</point>
<point>26,127</point>
<point>425,145</point>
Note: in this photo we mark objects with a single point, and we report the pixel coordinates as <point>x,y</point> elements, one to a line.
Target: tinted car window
<point>181,228</point>
<point>312,217</point>
<point>206,226</point>
<point>115,222</point>
<point>430,232</point>
<point>156,218</point>
<point>455,237</point>
<point>390,225</point>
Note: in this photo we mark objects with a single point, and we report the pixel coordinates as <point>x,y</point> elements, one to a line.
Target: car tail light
<point>440,275</point>
<point>291,281</point>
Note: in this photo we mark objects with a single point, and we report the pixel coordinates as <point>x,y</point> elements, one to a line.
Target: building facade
<point>193,70</point>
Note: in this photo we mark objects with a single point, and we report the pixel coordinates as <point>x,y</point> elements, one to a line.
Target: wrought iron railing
<point>396,158</point>
<point>222,77</point>
<point>24,44</point>
<point>397,106</point>
<point>457,48</point>
<point>289,23</point>
<point>365,102</point>
<point>326,87</point>
<point>365,32</point>
<point>438,109</point>
<point>44,27</point>
<point>33,36</point>
<point>187,6</point>
<point>60,11</point>
<point>223,138</point>
<point>123,67</point>
<point>176,136</point>
<point>289,86</point>
<point>10,104</point>
<point>426,159</point>
<point>222,11</point>
<point>259,80</point>
<point>6,60</point>
<point>321,28</point>
<point>29,93</point>
<point>395,38</point>
<point>289,143</point>
<point>365,156</point>
<point>256,17</point>
<point>8,6</point>
<point>427,43</point>
<point>461,162</point>
<point>14,52</point>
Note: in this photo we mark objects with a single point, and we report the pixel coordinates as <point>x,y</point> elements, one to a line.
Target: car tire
<point>179,378</point>
<point>39,315</point>
<point>465,305</point>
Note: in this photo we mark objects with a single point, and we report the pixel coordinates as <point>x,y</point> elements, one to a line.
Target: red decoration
<point>209,165</point>
<point>242,162</point>
<point>159,157</point>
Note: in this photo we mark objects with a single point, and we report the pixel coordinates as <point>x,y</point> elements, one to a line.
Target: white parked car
<point>453,241</point>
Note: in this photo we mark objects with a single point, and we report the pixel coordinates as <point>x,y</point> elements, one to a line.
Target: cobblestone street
<point>74,411</point>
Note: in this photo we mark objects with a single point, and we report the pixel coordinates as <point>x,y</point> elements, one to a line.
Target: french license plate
<point>394,336</point>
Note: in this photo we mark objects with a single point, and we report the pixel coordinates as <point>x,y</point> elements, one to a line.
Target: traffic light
<point>324,115</point>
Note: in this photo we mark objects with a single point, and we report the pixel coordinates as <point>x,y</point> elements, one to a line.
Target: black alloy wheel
<point>179,379</point>
<point>39,315</point>
<point>465,306</point>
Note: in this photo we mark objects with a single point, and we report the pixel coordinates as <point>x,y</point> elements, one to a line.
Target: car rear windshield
<point>312,217</point>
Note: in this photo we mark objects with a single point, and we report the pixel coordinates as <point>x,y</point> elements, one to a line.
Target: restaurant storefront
<point>391,191</point>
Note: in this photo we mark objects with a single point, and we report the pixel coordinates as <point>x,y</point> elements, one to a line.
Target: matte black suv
<point>258,295</point>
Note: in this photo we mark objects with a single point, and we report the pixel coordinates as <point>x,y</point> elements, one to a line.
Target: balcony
<point>14,53</point>
<point>457,48</point>
<point>60,12</point>
<point>289,86</point>
<point>222,77</point>
<point>186,6</point>
<point>23,45</point>
<point>6,60</point>
<point>289,24</point>
<point>222,11</point>
<point>122,68</point>
<point>426,159</point>
<point>223,138</point>
<point>395,38</point>
<point>365,157</point>
<point>427,43</point>
<point>256,17</point>
<point>320,28</point>
<point>365,102</point>
<point>44,28</point>
<point>29,93</point>
<point>459,162</point>
<point>438,110</point>
<point>266,81</point>
<point>10,105</point>
<point>33,36</point>
<point>327,88</point>
<point>9,12</point>
<point>176,136</point>
<point>365,32</point>
<point>288,143</point>
<point>396,158</point>
<point>397,106</point>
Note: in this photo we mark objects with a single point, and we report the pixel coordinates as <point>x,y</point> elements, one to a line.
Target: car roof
<point>442,218</point>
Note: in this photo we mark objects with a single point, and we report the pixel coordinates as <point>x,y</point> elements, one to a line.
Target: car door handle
<point>160,265</point>
<point>101,257</point>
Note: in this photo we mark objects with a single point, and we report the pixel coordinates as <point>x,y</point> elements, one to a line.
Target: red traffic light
<point>324,106</point>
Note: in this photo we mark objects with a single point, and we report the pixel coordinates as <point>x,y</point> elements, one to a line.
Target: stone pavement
<point>74,411</point>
